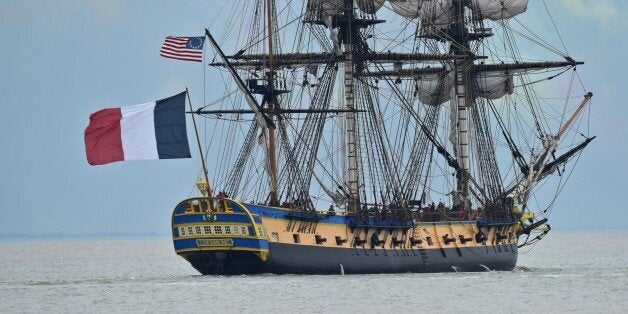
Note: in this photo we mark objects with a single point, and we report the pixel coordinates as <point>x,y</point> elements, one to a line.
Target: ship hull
<point>302,259</point>
<point>241,238</point>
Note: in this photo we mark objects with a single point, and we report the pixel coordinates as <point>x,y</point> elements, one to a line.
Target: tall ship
<point>373,136</point>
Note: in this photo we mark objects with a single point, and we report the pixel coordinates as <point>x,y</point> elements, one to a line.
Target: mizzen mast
<point>270,102</point>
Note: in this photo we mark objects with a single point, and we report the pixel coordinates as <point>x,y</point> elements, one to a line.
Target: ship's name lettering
<point>214,242</point>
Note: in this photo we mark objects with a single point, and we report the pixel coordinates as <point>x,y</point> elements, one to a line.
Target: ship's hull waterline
<point>300,259</point>
<point>238,238</point>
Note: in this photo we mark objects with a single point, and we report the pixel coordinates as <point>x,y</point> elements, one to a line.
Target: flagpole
<point>200,150</point>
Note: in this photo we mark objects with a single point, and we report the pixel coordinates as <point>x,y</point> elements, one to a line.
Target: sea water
<point>583,271</point>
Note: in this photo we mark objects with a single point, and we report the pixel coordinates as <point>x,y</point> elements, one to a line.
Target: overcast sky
<point>62,60</point>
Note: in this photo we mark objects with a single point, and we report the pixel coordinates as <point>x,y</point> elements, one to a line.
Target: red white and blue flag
<point>183,48</point>
<point>155,130</point>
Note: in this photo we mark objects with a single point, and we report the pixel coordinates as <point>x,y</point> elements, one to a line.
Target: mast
<point>539,163</point>
<point>270,101</point>
<point>374,159</point>
<point>208,189</point>
<point>352,160</point>
<point>462,100</point>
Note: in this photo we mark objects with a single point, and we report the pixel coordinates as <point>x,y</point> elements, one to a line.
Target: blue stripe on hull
<point>271,212</point>
<point>218,218</point>
<point>185,244</point>
<point>277,213</point>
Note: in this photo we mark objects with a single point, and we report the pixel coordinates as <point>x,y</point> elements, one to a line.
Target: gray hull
<point>301,259</point>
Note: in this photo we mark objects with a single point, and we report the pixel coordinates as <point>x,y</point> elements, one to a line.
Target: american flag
<point>183,48</point>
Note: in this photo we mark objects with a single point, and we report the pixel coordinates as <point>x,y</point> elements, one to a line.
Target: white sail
<point>494,84</point>
<point>438,12</point>
<point>430,12</point>
<point>262,140</point>
<point>324,8</point>
<point>338,198</point>
<point>370,6</point>
<point>433,14</point>
<point>407,8</point>
<point>433,89</point>
<point>498,9</point>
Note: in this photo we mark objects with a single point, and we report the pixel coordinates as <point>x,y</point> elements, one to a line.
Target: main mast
<point>461,98</point>
<point>352,151</point>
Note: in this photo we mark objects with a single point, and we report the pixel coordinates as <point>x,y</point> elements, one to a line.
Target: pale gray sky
<point>62,60</point>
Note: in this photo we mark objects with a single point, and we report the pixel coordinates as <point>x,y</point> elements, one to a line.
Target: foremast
<point>464,110</point>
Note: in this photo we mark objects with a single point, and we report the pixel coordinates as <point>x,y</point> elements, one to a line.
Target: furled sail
<point>494,84</point>
<point>322,9</point>
<point>338,198</point>
<point>407,8</point>
<point>435,89</point>
<point>435,15</point>
<point>498,9</point>
<point>370,6</point>
<point>437,12</point>
<point>431,12</point>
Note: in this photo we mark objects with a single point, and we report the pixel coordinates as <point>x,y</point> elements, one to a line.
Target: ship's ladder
<point>394,243</point>
<point>423,255</point>
<point>453,234</point>
<point>422,251</point>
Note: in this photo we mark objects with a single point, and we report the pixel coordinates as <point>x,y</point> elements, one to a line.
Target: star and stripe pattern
<point>183,48</point>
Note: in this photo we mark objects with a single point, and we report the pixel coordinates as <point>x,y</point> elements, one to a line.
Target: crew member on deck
<point>462,213</point>
<point>331,211</point>
<point>374,240</point>
<point>221,197</point>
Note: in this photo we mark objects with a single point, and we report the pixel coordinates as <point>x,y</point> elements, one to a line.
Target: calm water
<point>583,271</point>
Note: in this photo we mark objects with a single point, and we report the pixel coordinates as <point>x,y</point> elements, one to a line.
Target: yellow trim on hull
<point>224,248</point>
<point>251,219</point>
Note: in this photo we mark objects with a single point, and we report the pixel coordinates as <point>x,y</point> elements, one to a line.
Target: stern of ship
<point>221,239</point>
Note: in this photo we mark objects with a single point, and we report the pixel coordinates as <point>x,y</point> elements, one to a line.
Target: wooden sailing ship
<point>413,143</point>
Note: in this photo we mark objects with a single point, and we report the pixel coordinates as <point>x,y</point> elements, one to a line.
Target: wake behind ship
<point>375,136</point>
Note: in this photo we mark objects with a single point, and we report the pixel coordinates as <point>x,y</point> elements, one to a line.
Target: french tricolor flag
<point>154,130</point>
